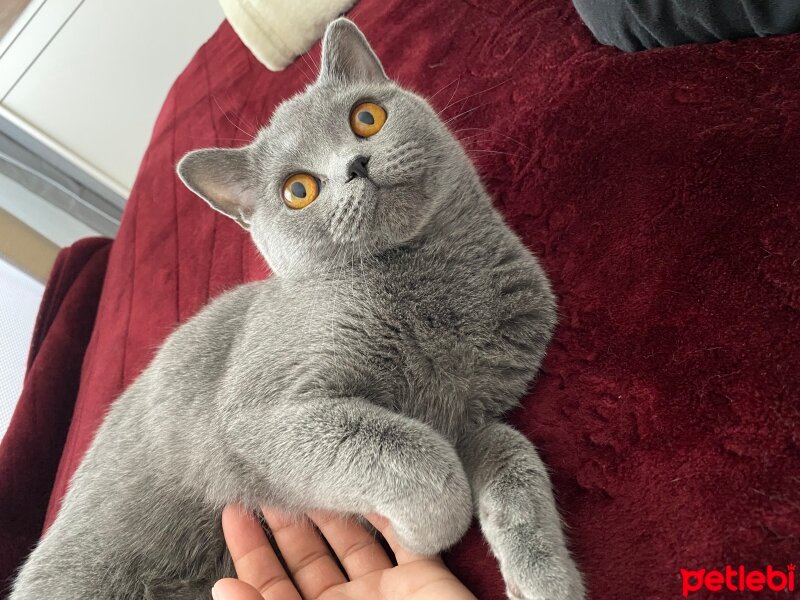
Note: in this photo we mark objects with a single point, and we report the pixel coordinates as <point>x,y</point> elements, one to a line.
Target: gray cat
<point>369,374</point>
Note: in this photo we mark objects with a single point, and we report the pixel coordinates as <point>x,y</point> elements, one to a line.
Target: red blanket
<point>660,190</point>
<point>32,447</point>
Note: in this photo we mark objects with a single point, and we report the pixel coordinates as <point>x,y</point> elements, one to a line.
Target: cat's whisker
<point>314,60</point>
<point>225,113</point>
<point>451,97</point>
<point>494,131</point>
<point>241,119</point>
<point>482,151</point>
<point>312,66</point>
<point>441,89</point>
<point>466,112</point>
<point>489,89</point>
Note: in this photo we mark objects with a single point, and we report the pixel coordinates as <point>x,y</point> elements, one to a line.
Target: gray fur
<point>368,374</point>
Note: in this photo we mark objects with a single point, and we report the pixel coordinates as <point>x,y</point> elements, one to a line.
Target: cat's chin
<point>380,214</point>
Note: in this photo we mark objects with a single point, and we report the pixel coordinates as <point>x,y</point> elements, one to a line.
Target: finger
<point>400,553</point>
<point>305,554</point>
<point>234,589</point>
<point>253,557</point>
<point>357,549</point>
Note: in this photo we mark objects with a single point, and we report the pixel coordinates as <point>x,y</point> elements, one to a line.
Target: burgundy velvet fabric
<point>31,448</point>
<point>660,190</point>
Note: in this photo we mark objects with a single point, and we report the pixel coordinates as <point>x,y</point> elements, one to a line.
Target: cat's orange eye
<point>300,190</point>
<point>366,119</point>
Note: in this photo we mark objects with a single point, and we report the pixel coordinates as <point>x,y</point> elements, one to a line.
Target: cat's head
<point>352,165</point>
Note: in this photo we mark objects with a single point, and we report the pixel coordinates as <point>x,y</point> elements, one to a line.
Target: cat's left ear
<point>347,55</point>
<point>222,177</point>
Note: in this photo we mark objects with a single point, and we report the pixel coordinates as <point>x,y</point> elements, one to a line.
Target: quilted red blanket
<point>32,447</point>
<point>660,190</point>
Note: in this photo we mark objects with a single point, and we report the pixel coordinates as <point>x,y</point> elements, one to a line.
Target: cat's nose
<point>358,168</point>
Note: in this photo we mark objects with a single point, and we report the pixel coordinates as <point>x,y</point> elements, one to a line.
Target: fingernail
<point>215,593</point>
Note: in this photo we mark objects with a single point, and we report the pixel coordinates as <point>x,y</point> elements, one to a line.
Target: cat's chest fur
<point>421,342</point>
<point>452,341</point>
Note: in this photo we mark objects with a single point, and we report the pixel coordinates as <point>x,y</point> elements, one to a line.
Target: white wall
<point>20,297</point>
<point>87,78</point>
<point>91,75</point>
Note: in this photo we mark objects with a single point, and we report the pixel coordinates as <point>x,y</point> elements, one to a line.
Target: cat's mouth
<point>372,190</point>
<point>370,206</point>
<point>353,214</point>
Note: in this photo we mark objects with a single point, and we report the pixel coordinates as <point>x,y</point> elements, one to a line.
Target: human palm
<point>313,573</point>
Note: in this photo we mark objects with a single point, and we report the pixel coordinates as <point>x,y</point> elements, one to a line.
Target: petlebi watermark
<point>739,579</point>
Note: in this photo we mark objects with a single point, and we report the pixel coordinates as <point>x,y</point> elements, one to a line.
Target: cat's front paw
<point>536,569</point>
<point>436,519</point>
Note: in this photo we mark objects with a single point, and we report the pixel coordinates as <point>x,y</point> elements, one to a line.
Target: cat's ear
<point>347,56</point>
<point>222,177</point>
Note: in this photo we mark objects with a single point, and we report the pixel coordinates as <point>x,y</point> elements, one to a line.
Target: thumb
<point>233,589</point>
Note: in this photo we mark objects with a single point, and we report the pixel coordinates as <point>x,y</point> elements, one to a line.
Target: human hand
<point>314,572</point>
